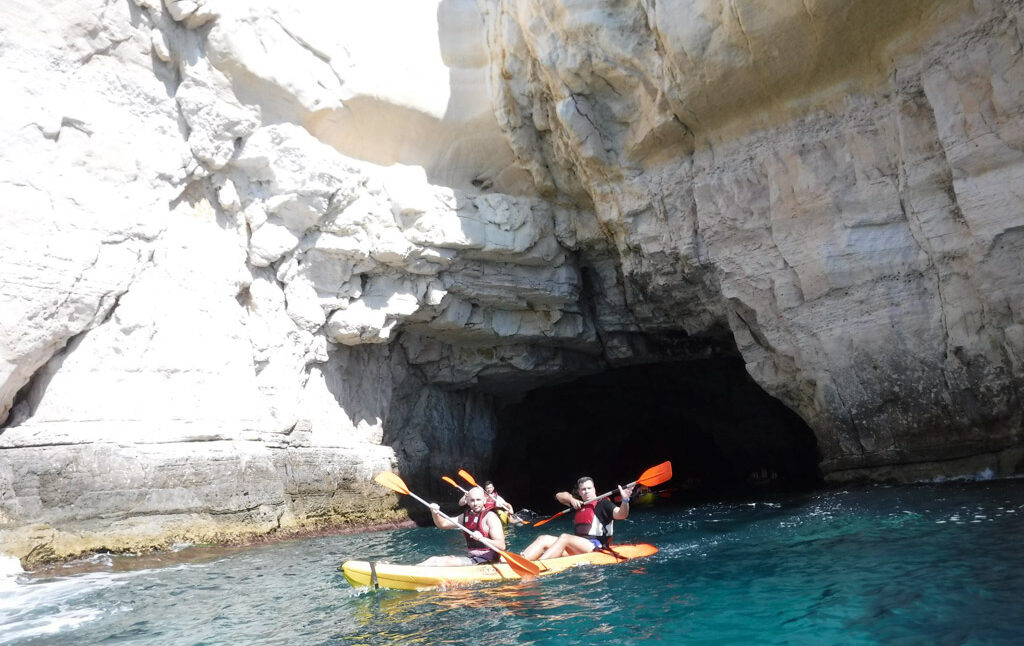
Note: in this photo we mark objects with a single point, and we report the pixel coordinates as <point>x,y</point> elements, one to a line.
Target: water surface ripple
<point>926,564</point>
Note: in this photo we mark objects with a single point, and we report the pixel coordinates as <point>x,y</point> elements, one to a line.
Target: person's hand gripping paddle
<point>468,478</point>
<point>649,478</point>
<point>521,566</point>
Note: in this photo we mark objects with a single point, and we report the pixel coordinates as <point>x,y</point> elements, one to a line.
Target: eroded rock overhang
<point>843,192</point>
<point>282,242</point>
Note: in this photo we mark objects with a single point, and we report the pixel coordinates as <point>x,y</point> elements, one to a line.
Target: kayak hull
<point>419,577</point>
<point>644,499</point>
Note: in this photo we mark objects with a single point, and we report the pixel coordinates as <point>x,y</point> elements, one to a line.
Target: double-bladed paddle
<point>452,482</point>
<point>520,565</point>
<point>653,476</point>
<point>468,478</point>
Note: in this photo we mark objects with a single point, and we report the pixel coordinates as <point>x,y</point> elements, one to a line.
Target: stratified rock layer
<point>253,254</point>
<point>841,181</point>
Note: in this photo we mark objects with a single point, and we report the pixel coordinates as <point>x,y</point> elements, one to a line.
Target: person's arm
<point>622,511</point>
<point>440,521</point>
<point>501,502</point>
<point>568,499</point>
<point>495,532</point>
<point>464,500</point>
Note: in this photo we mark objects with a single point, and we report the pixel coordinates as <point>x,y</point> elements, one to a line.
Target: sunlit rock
<point>255,252</point>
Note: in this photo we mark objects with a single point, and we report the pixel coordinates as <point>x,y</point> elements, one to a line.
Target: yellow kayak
<point>419,577</point>
<point>644,500</point>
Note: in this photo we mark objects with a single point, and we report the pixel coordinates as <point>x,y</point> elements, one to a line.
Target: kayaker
<point>483,522</point>
<point>593,520</point>
<point>494,500</point>
<point>497,503</point>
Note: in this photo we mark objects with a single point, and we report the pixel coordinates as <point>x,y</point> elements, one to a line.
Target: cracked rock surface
<point>254,253</point>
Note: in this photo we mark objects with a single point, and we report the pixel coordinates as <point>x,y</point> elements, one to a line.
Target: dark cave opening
<point>723,434</point>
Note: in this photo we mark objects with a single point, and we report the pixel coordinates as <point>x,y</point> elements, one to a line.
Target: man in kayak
<point>593,521</point>
<point>483,522</point>
<point>494,499</point>
<point>495,502</point>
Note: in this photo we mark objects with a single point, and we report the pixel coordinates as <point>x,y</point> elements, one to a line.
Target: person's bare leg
<point>566,545</point>
<point>555,549</point>
<point>538,546</point>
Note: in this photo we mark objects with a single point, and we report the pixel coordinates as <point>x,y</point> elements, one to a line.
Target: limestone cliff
<point>254,253</point>
<point>843,177</point>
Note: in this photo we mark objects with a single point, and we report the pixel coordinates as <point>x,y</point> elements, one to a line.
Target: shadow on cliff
<point>723,433</point>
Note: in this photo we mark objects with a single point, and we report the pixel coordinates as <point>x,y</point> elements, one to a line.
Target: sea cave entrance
<point>722,432</point>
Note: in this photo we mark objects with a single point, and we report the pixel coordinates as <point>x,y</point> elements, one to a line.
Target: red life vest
<point>492,500</point>
<point>473,522</point>
<point>588,524</point>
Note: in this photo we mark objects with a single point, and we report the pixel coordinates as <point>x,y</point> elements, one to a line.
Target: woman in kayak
<point>593,522</point>
<point>483,522</point>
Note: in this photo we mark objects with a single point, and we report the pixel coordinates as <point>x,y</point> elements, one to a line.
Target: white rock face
<point>71,244</point>
<point>266,248</point>
<point>212,238</point>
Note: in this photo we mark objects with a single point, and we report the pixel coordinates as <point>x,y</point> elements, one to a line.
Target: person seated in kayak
<point>494,500</point>
<point>497,503</point>
<point>502,506</point>
<point>594,520</point>
<point>483,522</point>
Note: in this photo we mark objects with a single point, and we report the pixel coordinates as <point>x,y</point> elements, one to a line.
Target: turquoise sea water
<point>926,564</point>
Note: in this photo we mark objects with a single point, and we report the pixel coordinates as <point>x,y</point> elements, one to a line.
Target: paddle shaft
<point>604,495</point>
<point>495,500</point>
<point>516,516</point>
<point>483,539</point>
<point>506,508</point>
<point>465,474</point>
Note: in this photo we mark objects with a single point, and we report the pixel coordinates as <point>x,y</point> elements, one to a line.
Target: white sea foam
<point>9,566</point>
<point>30,608</point>
<point>981,476</point>
<point>10,570</point>
<point>49,625</point>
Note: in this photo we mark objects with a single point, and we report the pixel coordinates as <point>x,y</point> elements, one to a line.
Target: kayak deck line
<point>420,577</point>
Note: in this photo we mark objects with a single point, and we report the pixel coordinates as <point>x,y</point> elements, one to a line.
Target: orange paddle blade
<point>547,520</point>
<point>391,481</point>
<point>451,482</point>
<point>520,564</point>
<point>468,478</point>
<point>656,475</point>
